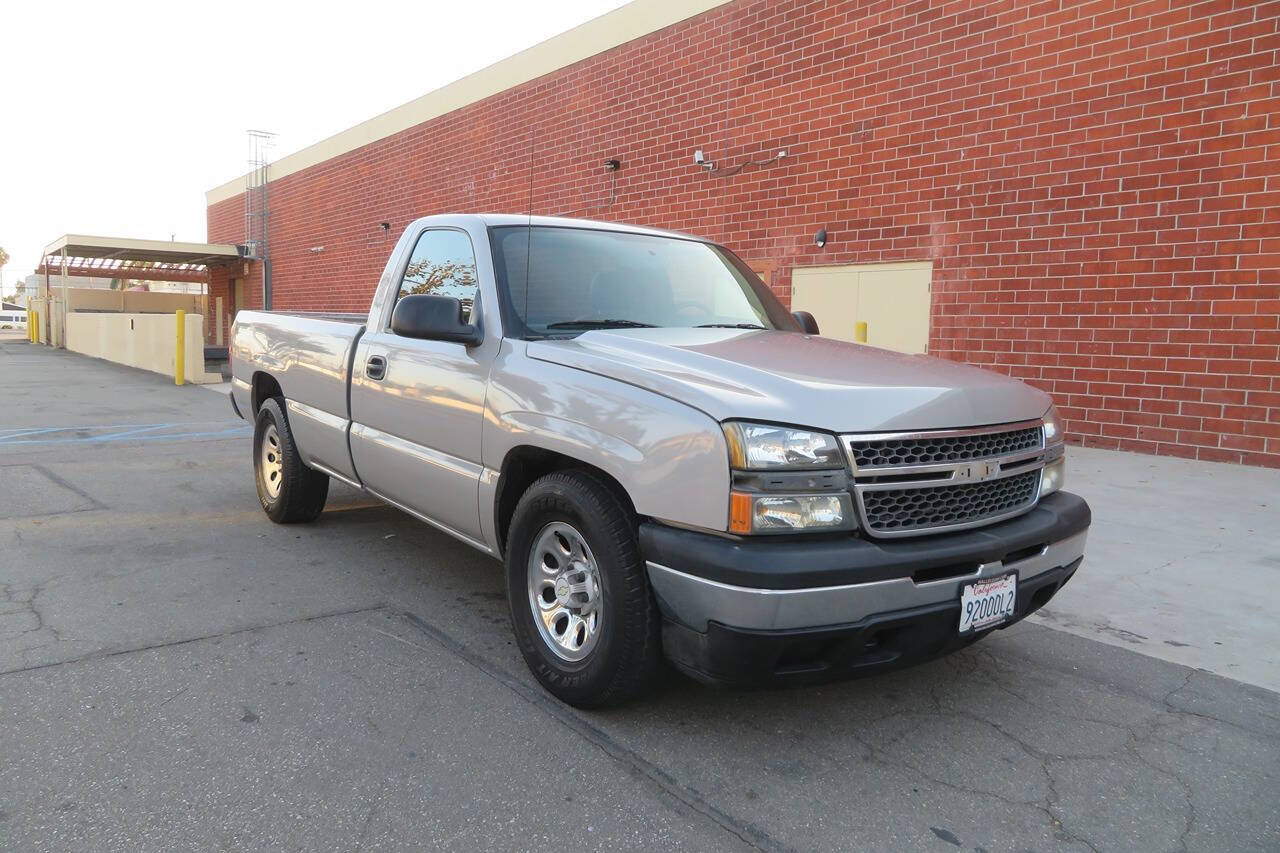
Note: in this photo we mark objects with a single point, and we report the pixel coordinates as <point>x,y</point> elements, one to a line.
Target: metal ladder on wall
<point>256,211</point>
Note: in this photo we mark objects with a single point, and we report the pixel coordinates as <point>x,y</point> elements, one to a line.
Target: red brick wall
<point>1096,183</point>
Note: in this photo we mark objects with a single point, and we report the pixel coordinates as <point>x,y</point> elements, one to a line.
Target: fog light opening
<point>1042,596</point>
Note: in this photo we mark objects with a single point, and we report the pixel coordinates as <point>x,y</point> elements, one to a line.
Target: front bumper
<point>749,611</point>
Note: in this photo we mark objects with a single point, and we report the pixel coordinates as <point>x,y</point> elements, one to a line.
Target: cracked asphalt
<point>177,672</point>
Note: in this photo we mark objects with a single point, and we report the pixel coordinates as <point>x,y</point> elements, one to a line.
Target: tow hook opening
<point>941,573</point>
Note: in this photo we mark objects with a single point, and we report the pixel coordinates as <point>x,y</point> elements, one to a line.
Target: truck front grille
<point>921,509</point>
<point>911,484</point>
<point>892,452</point>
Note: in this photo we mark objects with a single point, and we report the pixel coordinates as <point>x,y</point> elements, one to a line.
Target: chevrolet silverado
<point>668,462</point>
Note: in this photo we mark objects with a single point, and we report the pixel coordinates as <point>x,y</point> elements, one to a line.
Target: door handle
<point>375,367</point>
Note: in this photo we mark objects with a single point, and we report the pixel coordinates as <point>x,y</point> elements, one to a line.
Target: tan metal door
<point>891,299</point>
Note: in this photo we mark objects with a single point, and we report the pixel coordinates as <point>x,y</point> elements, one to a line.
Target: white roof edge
<point>632,21</point>
<point>224,249</point>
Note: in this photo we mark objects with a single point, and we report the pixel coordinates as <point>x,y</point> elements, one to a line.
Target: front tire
<point>581,608</point>
<point>289,491</point>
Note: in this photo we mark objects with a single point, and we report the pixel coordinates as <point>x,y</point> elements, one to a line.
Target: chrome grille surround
<point>885,452</point>
<point>916,483</point>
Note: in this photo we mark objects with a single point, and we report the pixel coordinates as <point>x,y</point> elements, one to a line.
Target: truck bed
<point>333,316</point>
<point>309,355</point>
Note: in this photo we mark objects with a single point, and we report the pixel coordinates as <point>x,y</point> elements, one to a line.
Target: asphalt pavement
<point>177,672</point>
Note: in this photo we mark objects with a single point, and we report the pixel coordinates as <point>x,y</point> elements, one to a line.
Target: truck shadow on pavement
<point>1062,740</point>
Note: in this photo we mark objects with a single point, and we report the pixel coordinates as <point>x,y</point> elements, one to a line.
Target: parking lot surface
<point>178,672</point>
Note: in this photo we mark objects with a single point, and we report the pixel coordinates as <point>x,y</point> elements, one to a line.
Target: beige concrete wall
<point>142,302</point>
<point>54,307</point>
<point>145,341</point>
<point>94,299</point>
<point>133,301</point>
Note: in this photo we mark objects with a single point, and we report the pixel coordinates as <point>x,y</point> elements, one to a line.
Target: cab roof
<point>499,220</point>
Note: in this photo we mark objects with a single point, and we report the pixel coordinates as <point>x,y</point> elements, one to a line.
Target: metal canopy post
<point>48,303</point>
<point>62,343</point>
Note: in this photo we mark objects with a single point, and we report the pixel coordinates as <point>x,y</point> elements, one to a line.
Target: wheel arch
<point>263,387</point>
<point>523,465</point>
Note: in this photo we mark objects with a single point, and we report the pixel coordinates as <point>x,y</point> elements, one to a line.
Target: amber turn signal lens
<point>739,513</point>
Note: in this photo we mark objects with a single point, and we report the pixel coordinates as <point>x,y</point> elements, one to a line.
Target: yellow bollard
<point>31,327</point>
<point>180,350</point>
<point>861,333</point>
<point>35,327</point>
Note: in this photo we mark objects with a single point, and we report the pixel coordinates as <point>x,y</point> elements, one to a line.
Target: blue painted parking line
<point>131,432</point>
<point>115,435</point>
<point>15,431</point>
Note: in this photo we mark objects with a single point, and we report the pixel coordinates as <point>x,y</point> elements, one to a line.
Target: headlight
<point>1052,427</point>
<point>1055,472</point>
<point>759,446</point>
<point>774,513</point>
<point>1054,476</point>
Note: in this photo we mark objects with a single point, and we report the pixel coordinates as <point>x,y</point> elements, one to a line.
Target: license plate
<point>987,603</point>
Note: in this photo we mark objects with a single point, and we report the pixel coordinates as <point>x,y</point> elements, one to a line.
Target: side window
<point>443,264</point>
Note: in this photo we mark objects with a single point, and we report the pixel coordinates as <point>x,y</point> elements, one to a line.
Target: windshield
<point>564,281</point>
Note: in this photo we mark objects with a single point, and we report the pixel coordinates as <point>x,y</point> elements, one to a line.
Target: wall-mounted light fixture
<point>820,239</point>
<point>612,165</point>
<point>315,250</point>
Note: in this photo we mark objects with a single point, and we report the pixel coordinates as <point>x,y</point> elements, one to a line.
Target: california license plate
<point>987,603</point>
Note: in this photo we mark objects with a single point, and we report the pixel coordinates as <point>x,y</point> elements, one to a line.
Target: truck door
<point>417,406</point>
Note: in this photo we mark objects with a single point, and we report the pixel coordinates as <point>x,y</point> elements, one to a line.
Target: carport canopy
<point>143,260</point>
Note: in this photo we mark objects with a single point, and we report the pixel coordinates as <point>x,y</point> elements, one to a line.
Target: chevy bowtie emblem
<point>977,472</point>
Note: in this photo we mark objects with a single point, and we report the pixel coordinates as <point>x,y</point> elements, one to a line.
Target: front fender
<point>671,458</point>
<point>574,439</point>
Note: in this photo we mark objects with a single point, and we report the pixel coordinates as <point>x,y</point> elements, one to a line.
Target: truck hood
<point>798,379</point>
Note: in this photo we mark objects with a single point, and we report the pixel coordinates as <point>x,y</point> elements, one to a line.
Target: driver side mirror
<point>807,323</point>
<point>433,318</point>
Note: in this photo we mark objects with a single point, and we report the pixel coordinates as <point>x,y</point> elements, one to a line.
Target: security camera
<point>698,159</point>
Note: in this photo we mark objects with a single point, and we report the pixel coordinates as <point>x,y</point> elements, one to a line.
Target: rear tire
<point>288,490</point>
<point>581,607</point>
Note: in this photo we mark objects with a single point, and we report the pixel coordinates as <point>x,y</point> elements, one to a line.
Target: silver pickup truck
<point>667,461</point>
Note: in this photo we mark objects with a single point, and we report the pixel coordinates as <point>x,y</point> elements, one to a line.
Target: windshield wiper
<point>730,326</point>
<point>600,324</point>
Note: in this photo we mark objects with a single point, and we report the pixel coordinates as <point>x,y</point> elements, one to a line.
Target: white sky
<point>116,117</point>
